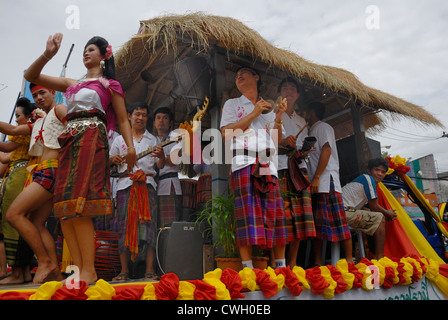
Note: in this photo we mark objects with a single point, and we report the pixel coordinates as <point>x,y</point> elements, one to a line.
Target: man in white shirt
<point>253,131</point>
<point>298,209</point>
<point>129,223</point>
<point>361,192</point>
<point>329,215</point>
<point>169,190</point>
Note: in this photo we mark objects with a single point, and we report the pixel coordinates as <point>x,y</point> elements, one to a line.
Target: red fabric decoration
<point>128,292</point>
<point>388,277</point>
<point>291,281</point>
<point>267,286</point>
<point>204,291</point>
<point>232,280</point>
<point>401,271</point>
<point>357,282</point>
<point>337,276</point>
<point>168,287</point>
<point>15,295</point>
<point>138,210</point>
<point>397,243</point>
<point>316,281</point>
<point>71,294</point>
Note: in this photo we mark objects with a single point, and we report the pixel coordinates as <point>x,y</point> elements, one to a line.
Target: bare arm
<point>33,73</point>
<point>8,146</point>
<point>125,128</point>
<point>61,112</point>
<point>323,161</point>
<point>5,157</point>
<point>375,206</point>
<point>12,130</point>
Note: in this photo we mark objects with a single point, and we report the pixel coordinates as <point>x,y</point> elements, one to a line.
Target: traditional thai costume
<point>18,253</point>
<point>83,185</point>
<point>136,228</point>
<point>259,211</point>
<point>329,214</point>
<point>298,209</point>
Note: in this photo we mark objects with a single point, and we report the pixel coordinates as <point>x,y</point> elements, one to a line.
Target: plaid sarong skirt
<point>82,183</point>
<point>329,216</point>
<point>259,217</point>
<point>146,233</point>
<point>298,209</point>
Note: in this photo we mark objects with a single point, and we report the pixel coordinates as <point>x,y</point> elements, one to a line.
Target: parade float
<point>177,61</point>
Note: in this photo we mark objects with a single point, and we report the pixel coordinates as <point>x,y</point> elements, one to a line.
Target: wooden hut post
<point>362,151</point>
<point>219,171</point>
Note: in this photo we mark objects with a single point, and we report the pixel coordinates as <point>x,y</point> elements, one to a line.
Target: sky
<point>400,47</point>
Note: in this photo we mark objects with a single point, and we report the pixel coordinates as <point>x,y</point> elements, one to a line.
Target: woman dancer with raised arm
<point>82,188</point>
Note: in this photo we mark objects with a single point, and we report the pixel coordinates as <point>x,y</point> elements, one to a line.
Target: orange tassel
<point>138,211</point>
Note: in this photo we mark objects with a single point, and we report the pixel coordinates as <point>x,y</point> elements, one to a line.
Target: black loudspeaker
<point>180,251</point>
<point>349,156</point>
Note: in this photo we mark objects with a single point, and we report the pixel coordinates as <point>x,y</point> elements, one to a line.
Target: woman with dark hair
<point>18,253</point>
<point>82,188</point>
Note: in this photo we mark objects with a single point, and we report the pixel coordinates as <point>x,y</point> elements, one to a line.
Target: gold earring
<point>102,64</point>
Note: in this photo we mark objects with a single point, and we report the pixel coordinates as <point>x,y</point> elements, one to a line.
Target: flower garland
<point>228,284</point>
<point>397,164</point>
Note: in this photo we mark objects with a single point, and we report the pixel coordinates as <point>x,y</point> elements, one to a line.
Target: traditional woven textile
<point>138,211</point>
<point>260,217</point>
<point>329,216</point>
<point>82,184</point>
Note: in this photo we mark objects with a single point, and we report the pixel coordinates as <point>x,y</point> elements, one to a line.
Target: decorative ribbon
<point>138,211</point>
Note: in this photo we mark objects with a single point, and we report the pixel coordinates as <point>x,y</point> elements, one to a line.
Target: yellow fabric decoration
<point>349,278</point>
<point>149,293</point>
<point>186,291</point>
<point>213,278</point>
<point>46,290</point>
<point>326,274</point>
<point>387,263</point>
<point>248,279</point>
<point>278,279</point>
<point>301,275</point>
<point>409,272</point>
<point>366,279</point>
<point>102,290</point>
<point>432,270</point>
<point>381,271</point>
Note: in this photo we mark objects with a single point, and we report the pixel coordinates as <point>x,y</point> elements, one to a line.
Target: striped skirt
<point>82,183</point>
<point>298,209</point>
<point>18,253</point>
<point>259,217</point>
<point>329,216</point>
<point>169,208</point>
<point>146,233</point>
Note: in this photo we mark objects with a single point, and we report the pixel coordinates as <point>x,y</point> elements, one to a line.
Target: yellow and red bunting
<point>228,284</point>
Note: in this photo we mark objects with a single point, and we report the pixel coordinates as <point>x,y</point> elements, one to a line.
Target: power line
<point>405,140</point>
<point>412,134</point>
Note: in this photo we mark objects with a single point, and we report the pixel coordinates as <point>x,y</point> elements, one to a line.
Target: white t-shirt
<point>164,185</point>
<point>293,124</point>
<point>146,163</point>
<point>357,193</point>
<point>324,133</point>
<point>257,138</point>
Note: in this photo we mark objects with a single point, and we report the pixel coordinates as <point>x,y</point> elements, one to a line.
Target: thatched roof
<point>145,68</point>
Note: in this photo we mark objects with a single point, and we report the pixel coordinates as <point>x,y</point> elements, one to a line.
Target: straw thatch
<point>161,42</point>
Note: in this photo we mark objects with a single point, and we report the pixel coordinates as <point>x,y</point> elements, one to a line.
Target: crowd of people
<point>58,159</point>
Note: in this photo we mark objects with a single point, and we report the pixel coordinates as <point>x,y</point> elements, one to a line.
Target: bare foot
<point>88,277</point>
<point>46,273</point>
<point>12,279</point>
